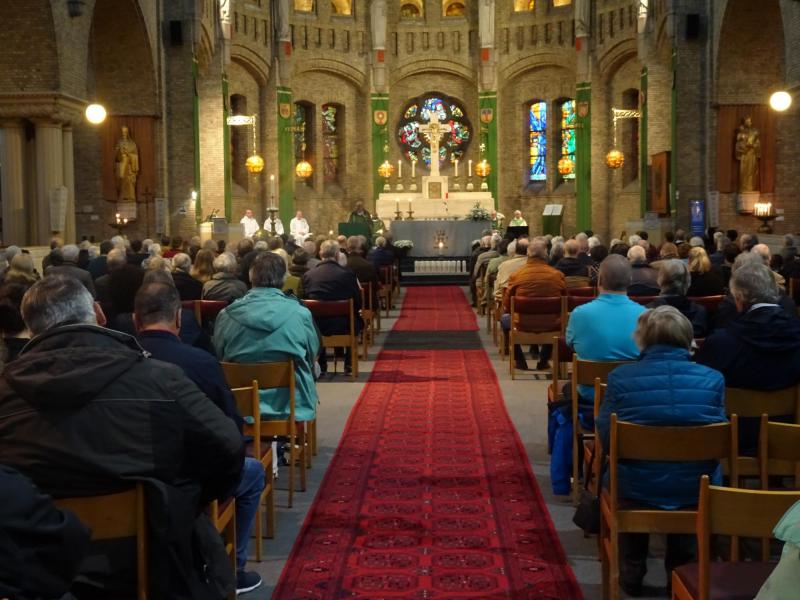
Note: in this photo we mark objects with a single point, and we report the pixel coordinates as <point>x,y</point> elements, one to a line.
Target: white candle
<point>409,204</point>
<point>272,186</point>
<point>413,165</point>
<point>456,174</point>
<point>397,204</point>
<point>469,168</point>
<point>399,169</point>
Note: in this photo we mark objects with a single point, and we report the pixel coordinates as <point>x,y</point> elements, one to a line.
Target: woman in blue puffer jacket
<point>662,388</point>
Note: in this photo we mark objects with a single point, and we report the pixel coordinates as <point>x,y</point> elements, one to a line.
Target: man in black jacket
<point>331,281</point>
<point>84,410</point>
<point>364,270</point>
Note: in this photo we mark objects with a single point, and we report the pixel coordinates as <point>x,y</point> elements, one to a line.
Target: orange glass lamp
<point>386,170</point>
<point>254,164</point>
<point>304,169</point>
<point>566,166</point>
<point>482,170</point>
<point>615,159</point>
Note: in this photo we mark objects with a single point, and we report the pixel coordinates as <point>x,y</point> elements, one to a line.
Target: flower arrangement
<point>403,244</point>
<point>478,213</point>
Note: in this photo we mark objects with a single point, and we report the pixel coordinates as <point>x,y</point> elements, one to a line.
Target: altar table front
<point>456,236</point>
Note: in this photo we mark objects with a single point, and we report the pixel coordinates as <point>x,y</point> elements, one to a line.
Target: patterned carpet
<point>430,494</point>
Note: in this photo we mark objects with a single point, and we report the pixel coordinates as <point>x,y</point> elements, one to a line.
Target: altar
<point>455,237</point>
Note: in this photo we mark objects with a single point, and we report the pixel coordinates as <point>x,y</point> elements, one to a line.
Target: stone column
<point>49,175</point>
<point>69,232</point>
<point>12,151</point>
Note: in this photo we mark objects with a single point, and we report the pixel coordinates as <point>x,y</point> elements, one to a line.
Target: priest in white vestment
<point>250,223</point>
<point>298,227</point>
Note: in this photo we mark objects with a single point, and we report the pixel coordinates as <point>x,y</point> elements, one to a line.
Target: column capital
<point>46,123</point>
<point>11,124</point>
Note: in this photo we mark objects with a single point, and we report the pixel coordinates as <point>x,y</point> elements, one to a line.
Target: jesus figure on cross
<point>433,132</point>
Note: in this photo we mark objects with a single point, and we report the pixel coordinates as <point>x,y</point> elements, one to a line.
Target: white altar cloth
<point>458,205</point>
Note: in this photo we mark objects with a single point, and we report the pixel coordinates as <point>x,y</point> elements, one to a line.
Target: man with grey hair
<point>188,287</point>
<point>70,268</point>
<point>363,269</point>
<point>674,280</point>
<point>224,284</point>
<point>381,255</point>
<point>267,326</point>
<point>570,265</point>
<point>759,349</point>
<point>310,246</point>
<point>764,252</point>
<point>644,278</point>
<point>59,428</point>
<point>535,279</point>
<point>331,281</point>
<point>518,256</point>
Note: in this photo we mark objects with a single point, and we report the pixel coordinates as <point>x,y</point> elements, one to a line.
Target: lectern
<point>551,219</point>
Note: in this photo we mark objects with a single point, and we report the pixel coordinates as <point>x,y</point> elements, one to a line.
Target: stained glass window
<point>411,9</point>
<point>417,112</point>
<point>341,7</point>
<point>524,5</point>
<point>537,141</point>
<point>453,8</point>
<point>568,134</point>
<point>304,5</point>
<point>331,119</point>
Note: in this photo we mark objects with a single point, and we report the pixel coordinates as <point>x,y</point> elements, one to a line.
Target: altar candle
<point>124,221</point>
<point>469,168</point>
<point>397,204</point>
<point>399,169</point>
<point>272,186</point>
<point>409,204</point>
<point>413,165</point>
<point>456,174</point>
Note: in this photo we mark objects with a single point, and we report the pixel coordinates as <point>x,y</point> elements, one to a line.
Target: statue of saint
<point>486,23</point>
<point>127,164</point>
<point>748,153</point>
<point>378,22</point>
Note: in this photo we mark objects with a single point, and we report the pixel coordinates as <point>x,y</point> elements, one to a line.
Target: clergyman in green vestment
<point>361,215</point>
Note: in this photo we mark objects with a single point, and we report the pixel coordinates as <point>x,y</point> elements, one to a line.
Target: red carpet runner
<point>430,494</point>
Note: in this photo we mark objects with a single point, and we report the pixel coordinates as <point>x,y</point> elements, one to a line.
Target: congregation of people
<point>109,378</point>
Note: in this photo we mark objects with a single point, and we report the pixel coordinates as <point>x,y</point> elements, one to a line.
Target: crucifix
<point>433,132</point>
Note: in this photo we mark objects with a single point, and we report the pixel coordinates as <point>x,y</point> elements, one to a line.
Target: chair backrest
<point>710,303</point>
<point>114,516</point>
<point>366,296</point>
<point>528,305</point>
<point>599,395</point>
<point>532,314</point>
<point>643,300</point>
<point>386,275</point>
<point>582,291</point>
<point>577,281</point>
<point>211,308</point>
<point>629,441</point>
<point>754,403</point>
<point>574,302</point>
<point>738,513</point>
<point>778,450</point>
<point>330,308</point>
<point>584,372</point>
<point>269,375</point>
<point>248,404</point>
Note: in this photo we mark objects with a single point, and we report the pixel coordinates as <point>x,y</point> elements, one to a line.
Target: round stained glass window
<point>452,145</point>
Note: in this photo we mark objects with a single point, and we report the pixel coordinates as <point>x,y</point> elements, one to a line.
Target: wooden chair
<point>113,516</point>
<point>248,404</point>
<point>735,513</point>
<point>223,517</point>
<point>778,451</point>
<point>204,309</point>
<point>368,315</point>
<point>577,281</point>
<point>584,372</point>
<point>753,404</point>
<point>588,290</point>
<point>275,375</point>
<point>670,444</point>
<point>571,303</point>
<point>490,303</point>
<point>547,311</point>
<point>480,288</point>
<point>337,308</point>
<point>710,303</point>
<point>643,300</point>
<point>386,275</point>
<point>562,358</point>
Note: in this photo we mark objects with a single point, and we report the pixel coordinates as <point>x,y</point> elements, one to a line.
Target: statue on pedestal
<point>748,153</point>
<point>126,161</point>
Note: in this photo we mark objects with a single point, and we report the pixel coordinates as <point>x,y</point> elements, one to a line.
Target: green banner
<point>380,137</point>
<point>488,115</point>
<point>226,144</point>
<point>673,155</point>
<point>285,155</point>
<point>583,156</point>
<point>643,150</point>
<point>198,208</point>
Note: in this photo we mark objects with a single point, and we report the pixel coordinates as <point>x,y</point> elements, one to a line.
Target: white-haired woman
<point>224,285</point>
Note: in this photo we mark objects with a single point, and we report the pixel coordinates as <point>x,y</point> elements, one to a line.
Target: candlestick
<point>413,165</point>
<point>469,168</point>
<point>456,173</point>
<point>399,169</point>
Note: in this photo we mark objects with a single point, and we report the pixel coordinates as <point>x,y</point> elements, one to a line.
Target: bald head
<point>763,251</point>
<point>615,274</point>
<point>538,249</point>
<point>637,254</point>
<point>521,249</point>
<point>571,248</point>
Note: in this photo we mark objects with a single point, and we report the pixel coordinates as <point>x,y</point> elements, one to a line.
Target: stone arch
<point>616,56</point>
<point>412,9</point>
<point>432,66</point>
<point>751,52</point>
<point>335,67</point>
<point>253,63</point>
<point>121,70</point>
<point>454,8</point>
<point>537,61</point>
<point>29,60</point>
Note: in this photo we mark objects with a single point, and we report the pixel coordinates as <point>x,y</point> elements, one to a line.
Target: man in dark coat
<point>69,267</point>
<point>760,348</point>
<point>84,411</point>
<point>117,288</point>
<point>381,255</point>
<point>97,266</point>
<point>571,265</point>
<point>364,270</point>
<point>331,281</point>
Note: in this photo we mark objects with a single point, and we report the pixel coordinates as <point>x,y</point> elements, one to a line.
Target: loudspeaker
<point>176,33</point>
<point>692,26</point>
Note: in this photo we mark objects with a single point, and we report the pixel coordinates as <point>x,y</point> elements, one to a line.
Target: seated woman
<point>706,281</point>
<point>224,285</point>
<point>663,389</point>
<point>21,270</point>
<point>674,281</point>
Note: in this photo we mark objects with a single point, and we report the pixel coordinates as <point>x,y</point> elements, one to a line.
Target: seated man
<point>69,267</point>
<point>759,349</point>
<point>41,547</point>
<point>603,328</point>
<point>381,255</point>
<point>84,411</point>
<point>663,388</point>
<point>363,269</point>
<point>644,278</point>
<point>570,265</point>
<point>518,256</point>
<point>331,281</point>
<point>269,326</point>
<point>117,288</point>
<point>157,318</point>
<point>674,280</point>
<point>535,279</point>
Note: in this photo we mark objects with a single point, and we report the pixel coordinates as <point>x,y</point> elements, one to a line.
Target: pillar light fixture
<point>95,113</point>
<point>780,101</point>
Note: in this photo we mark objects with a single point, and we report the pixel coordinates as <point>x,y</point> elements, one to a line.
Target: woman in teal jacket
<point>267,325</point>
<point>662,388</point>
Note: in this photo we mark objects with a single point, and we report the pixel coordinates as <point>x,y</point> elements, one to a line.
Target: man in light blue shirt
<point>603,328</point>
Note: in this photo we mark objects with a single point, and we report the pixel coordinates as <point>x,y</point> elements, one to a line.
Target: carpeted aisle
<point>430,494</point>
